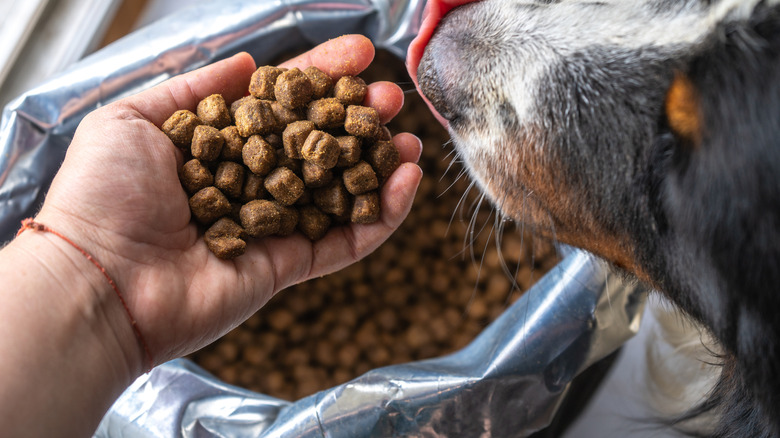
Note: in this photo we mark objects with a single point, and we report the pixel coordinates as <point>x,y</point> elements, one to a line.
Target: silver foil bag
<point>507,382</point>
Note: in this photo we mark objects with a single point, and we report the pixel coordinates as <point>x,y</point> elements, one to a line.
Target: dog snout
<point>432,87</point>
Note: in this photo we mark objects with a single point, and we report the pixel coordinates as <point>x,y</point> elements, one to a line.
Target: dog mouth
<point>435,10</point>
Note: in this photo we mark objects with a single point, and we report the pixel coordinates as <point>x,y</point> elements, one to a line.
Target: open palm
<point>118,195</point>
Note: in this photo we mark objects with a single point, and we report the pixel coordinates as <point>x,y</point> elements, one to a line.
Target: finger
<point>229,77</point>
<point>387,98</point>
<point>409,146</point>
<point>342,56</point>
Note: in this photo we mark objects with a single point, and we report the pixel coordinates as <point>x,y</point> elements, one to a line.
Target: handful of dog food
<point>298,153</point>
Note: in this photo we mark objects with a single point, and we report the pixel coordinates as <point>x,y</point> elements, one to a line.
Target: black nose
<point>432,86</point>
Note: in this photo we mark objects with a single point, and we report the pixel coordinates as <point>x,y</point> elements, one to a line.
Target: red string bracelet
<point>30,224</point>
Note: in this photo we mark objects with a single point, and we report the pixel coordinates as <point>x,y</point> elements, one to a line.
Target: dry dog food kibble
<point>180,127</point>
<point>195,176</point>
<point>226,239</point>
<point>362,121</point>
<point>298,153</point>
<point>213,111</point>
<point>350,90</point>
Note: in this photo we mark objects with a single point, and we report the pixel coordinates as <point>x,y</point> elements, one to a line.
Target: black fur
<point>703,220</point>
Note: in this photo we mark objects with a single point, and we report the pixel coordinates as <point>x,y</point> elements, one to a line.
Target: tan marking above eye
<point>683,110</point>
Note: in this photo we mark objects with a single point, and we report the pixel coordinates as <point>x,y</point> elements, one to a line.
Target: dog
<point>646,132</point>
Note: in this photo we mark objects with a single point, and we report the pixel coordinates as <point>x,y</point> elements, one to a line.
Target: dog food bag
<point>507,381</point>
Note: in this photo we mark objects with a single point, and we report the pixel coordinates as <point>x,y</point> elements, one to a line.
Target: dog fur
<point>644,131</point>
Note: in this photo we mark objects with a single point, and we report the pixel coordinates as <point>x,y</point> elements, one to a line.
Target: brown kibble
<point>288,221</point>
<point>350,150</point>
<point>315,176</point>
<point>195,176</point>
<point>332,199</point>
<point>320,81</point>
<point>255,117</point>
<point>362,121</point>
<point>258,155</point>
<point>263,80</point>
<point>180,127</point>
<point>313,223</point>
<point>260,218</point>
<point>293,88</point>
<point>229,178</point>
<point>208,205</point>
<point>226,239</point>
<point>236,104</point>
<point>207,143</point>
<point>234,144</point>
<point>213,111</point>
<point>365,208</point>
<point>284,185</point>
<point>321,149</point>
<point>384,157</point>
<point>295,135</point>
<point>326,113</point>
<point>285,116</point>
<point>350,90</point>
<point>360,178</point>
<point>253,188</point>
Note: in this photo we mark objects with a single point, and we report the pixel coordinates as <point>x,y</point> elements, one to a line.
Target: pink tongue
<point>434,11</point>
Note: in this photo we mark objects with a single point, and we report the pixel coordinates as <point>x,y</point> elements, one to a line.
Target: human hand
<point>118,196</point>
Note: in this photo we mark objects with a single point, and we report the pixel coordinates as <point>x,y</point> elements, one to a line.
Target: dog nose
<point>432,87</point>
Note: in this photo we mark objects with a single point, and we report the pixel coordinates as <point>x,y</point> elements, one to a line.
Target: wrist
<point>85,298</point>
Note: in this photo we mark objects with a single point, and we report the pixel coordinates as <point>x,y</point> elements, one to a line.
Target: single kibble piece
<point>321,149</point>
<point>180,127</point>
<point>295,135</point>
<point>293,89</point>
<point>195,176</point>
<point>213,111</point>
<point>226,239</point>
<point>234,144</point>
<point>236,104</point>
<point>253,188</point>
<point>208,205</point>
<point>384,157</point>
<point>255,117</point>
<point>258,155</point>
<point>229,178</point>
<point>288,221</point>
<point>285,116</point>
<point>350,150</point>
<point>260,218</point>
<point>320,81</point>
<point>263,80</point>
<point>326,113</point>
<point>207,143</point>
<point>350,90</point>
<point>362,121</point>
<point>313,223</point>
<point>360,178</point>
<point>315,176</point>
<point>332,199</point>
<point>365,208</point>
<point>284,185</point>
